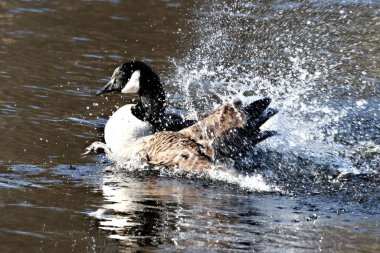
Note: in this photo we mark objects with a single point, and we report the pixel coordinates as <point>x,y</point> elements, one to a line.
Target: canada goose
<point>134,130</point>
<point>190,149</point>
<point>133,121</point>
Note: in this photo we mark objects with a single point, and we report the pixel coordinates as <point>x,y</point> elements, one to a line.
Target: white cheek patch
<point>133,84</point>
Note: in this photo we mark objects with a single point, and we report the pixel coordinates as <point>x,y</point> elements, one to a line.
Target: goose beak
<point>109,87</point>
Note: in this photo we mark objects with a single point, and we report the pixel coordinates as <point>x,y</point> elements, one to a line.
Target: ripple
<point>93,56</point>
<point>24,233</point>
<point>9,110</point>
<point>81,39</point>
<point>88,122</point>
<point>30,10</point>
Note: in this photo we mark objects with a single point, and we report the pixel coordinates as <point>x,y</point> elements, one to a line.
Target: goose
<point>147,116</point>
<point>190,149</point>
<point>145,131</point>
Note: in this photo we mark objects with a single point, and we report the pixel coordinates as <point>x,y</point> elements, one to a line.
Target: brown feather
<point>191,148</point>
<point>205,131</point>
<point>173,149</point>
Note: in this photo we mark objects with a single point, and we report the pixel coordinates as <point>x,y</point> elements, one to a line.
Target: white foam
<point>255,183</point>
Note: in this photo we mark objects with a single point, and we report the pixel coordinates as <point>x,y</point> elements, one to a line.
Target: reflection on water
<point>143,210</point>
<point>317,60</point>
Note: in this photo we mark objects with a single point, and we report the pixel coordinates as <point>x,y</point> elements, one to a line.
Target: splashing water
<point>328,120</point>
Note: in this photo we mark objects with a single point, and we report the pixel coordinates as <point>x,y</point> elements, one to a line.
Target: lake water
<point>314,187</point>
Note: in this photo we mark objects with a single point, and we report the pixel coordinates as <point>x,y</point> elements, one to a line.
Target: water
<point>314,187</point>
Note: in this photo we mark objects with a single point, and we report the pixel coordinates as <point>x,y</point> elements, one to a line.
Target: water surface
<point>314,187</point>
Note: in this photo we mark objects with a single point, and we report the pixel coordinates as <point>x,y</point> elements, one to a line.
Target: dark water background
<point>317,60</point>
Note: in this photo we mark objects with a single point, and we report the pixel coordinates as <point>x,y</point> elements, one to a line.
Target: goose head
<point>136,77</point>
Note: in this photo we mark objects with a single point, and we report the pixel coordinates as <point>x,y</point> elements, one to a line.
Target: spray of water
<point>299,55</point>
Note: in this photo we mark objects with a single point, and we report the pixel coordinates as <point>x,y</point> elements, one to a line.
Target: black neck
<point>150,110</point>
<point>151,106</point>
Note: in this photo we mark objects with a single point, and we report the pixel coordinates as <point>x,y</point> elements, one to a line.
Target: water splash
<point>319,85</point>
<point>252,183</point>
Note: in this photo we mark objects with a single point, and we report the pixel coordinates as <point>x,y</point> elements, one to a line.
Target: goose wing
<point>236,141</point>
<point>174,149</point>
<point>232,130</point>
<point>194,148</point>
<point>205,131</point>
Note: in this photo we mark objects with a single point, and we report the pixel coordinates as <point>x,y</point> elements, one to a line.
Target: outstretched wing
<point>205,131</point>
<point>227,132</point>
<point>236,141</point>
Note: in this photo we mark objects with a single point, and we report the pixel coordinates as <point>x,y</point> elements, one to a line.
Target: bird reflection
<point>131,212</point>
<point>142,209</point>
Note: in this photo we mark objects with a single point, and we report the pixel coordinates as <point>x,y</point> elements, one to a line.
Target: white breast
<point>123,129</point>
